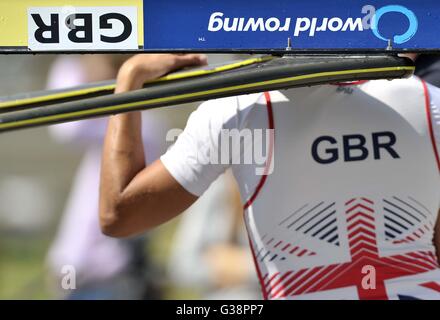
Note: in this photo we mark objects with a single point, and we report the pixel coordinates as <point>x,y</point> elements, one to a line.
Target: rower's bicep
<point>152,198</point>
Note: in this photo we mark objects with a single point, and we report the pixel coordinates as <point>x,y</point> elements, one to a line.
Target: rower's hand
<point>146,67</point>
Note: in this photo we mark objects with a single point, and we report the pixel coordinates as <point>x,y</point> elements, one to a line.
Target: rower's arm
<point>133,197</point>
<point>437,236</point>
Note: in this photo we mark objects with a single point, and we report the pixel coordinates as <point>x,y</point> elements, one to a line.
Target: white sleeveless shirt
<point>351,192</point>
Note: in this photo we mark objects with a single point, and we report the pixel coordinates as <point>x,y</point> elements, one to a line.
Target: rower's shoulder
<point>234,106</point>
<point>412,83</point>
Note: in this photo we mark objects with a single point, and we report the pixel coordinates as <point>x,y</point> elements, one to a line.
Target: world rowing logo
<point>381,22</point>
<point>401,38</point>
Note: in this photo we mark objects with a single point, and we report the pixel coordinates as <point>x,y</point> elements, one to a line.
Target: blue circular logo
<point>402,38</point>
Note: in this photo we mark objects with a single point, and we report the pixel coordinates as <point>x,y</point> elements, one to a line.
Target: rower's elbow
<point>108,225</point>
<point>112,222</point>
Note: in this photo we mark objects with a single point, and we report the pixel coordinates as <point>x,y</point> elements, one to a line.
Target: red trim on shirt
<point>352,83</point>
<point>270,153</point>
<point>258,189</point>
<point>260,276</point>
<point>431,129</point>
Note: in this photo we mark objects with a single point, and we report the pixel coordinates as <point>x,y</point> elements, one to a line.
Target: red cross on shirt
<point>364,252</point>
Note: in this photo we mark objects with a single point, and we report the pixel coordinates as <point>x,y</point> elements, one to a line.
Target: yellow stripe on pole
<point>129,106</point>
<point>170,77</point>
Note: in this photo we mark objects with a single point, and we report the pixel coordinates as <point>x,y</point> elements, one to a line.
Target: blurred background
<point>48,207</point>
